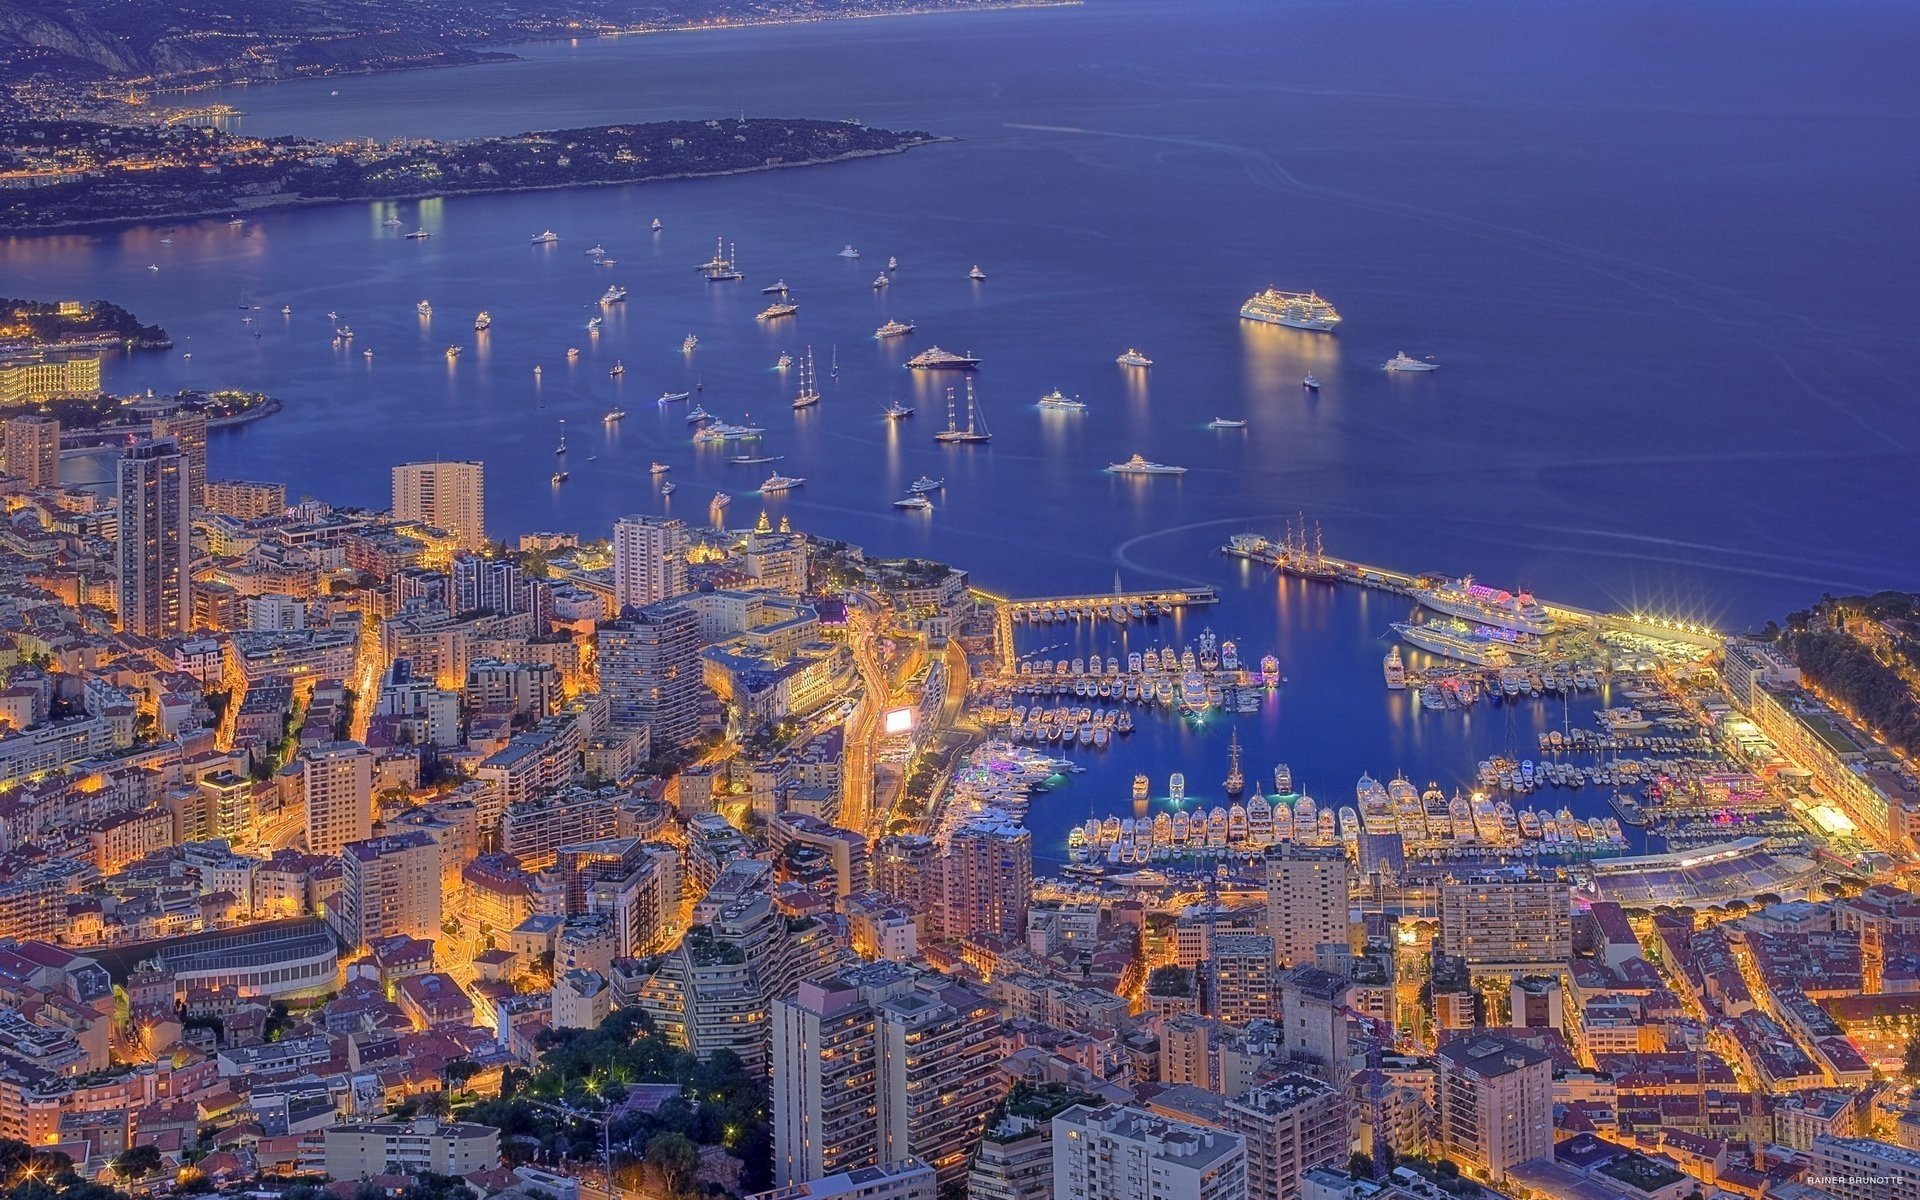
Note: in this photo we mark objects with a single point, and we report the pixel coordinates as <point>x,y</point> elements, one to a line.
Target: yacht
<point>1406,362</point>
<point>617,368</point>
<point>1295,310</point>
<point>975,430</point>
<point>153,266</point>
<point>345,332</point>
<point>777,483</point>
<point>596,251</point>
<point>917,503</point>
<point>573,353</point>
<point>674,397</point>
<point>594,324</point>
<point>423,308</point>
<point>697,413</point>
<point>1057,401</point>
<point>613,295</point>
<point>1133,358</point>
<point>669,488</point>
<point>847,251</point>
<point>923,485</point>
<point>754,460</point>
<point>893,264</point>
<point>390,223</point>
<point>545,238</point>
<point>688,344</point>
<point>898,411</point>
<point>976,274</point>
<point>418,235</point>
<point>1394,669</point>
<point>659,468</point>
<point>809,393</point>
<point>719,502</point>
<point>453,352</point>
<point>777,288</point>
<point>286,310</point>
<point>657,226</point>
<point>366,354</point>
<point>560,477</point>
<point>1140,466</point>
<point>783,362</point>
<point>614,414</point>
<point>1226,423</point>
<point>1310,383</point>
<point>482,322</point>
<point>933,358</point>
<point>880,281</point>
<point>894,329</point>
<point>782,308</point>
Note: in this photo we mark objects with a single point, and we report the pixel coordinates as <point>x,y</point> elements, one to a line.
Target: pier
<point>1007,611</point>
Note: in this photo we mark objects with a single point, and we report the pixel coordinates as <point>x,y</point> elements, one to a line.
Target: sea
<point>1661,253</point>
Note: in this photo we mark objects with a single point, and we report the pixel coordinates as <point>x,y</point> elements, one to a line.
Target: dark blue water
<point>1663,252</point>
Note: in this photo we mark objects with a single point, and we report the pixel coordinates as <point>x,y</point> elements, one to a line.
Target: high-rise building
<point>495,584</point>
<point>445,495</point>
<point>905,867</point>
<point>246,499</point>
<point>1307,904</point>
<point>1241,977</point>
<point>986,878</point>
<point>1116,1153</point>
<point>1290,1125</point>
<point>155,550</point>
<point>908,1179</point>
<point>650,672</point>
<point>336,782</point>
<point>390,887</point>
<point>33,450</point>
<point>879,1063</point>
<point>649,560</point>
<point>1015,1161</point>
<point>1496,1103</point>
<point>1515,921</point>
<point>1313,1013</point>
<point>1855,1168</point>
<point>188,429</point>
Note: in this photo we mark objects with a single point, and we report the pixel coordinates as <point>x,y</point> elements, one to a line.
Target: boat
<point>976,428</point>
<point>669,488</point>
<point>933,358</point>
<point>483,322</point>
<point>916,503</point>
<point>423,308</point>
<point>390,223</point>
<point>1310,383</point>
<point>754,460</point>
<point>1406,362</point>
<point>1133,358</point>
<point>809,394</point>
<point>1226,423</point>
<point>561,476</point>
<point>573,353</point>
<point>688,344</point>
<point>286,310</point>
<point>894,329</point>
<point>1395,669</point>
<point>923,485</point>
<point>880,281</point>
<point>898,411</point>
<point>976,274</point>
<point>1056,401</point>
<point>783,362</point>
<point>847,251</point>
<point>1476,602</point>
<point>614,414</point>
<point>659,468</point>
<point>613,295</point>
<point>153,266</point>
<point>1140,466</point>
<point>719,502</point>
<point>1451,644</point>
<point>453,352</point>
<point>776,483</point>
<point>773,312</point>
<point>657,226</point>
<point>366,354</point>
<point>545,237</point>
<point>698,413</point>
<point>418,235</point>
<point>617,369</point>
<point>562,447</point>
<point>1295,310</point>
<point>777,288</point>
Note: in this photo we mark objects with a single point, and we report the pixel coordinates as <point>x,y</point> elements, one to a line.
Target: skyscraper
<point>650,672</point>
<point>986,878</point>
<point>33,450</point>
<point>445,495</point>
<point>495,584</point>
<point>1306,899</point>
<point>336,782</point>
<point>1115,1153</point>
<point>155,584</point>
<point>1496,1103</point>
<point>649,560</point>
<point>1290,1124</point>
<point>188,429</point>
<point>1514,920</point>
<point>390,887</point>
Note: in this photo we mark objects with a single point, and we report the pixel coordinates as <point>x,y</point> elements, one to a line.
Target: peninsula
<point>88,173</point>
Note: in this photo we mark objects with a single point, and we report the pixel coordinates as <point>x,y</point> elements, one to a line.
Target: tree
<point>137,1162</point>
<point>1910,1064</point>
<point>1360,1166</point>
<point>676,1158</point>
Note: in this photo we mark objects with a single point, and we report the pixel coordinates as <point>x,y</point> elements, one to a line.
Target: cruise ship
<point>1140,466</point>
<point>1133,358</point>
<point>1295,310</point>
<point>1407,362</point>
<point>545,237</point>
<point>1476,602</point>
<point>777,482</point>
<point>1451,644</point>
<point>894,329</point>
<point>1056,401</point>
<point>933,358</point>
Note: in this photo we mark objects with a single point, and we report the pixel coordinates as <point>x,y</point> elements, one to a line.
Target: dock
<point>1087,607</point>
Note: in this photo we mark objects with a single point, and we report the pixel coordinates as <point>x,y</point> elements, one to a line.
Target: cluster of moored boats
<point>1087,727</point>
<point>1198,680</point>
<point>1119,611</point>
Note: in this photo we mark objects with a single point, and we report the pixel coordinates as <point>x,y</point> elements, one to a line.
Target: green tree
<point>137,1162</point>
<point>676,1158</point>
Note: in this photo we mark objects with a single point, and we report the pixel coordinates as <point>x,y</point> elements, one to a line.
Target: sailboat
<point>809,387</point>
<point>1236,779</point>
<point>562,447</point>
<point>833,372</point>
<point>976,429</point>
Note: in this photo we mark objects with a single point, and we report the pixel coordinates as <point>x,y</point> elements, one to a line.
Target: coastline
<point>273,203</point>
